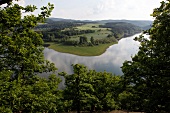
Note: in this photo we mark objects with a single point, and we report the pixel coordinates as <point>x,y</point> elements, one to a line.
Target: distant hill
<point>140,23</point>
<point>143,24</point>
<point>122,29</point>
<point>61,19</point>
<point>146,27</point>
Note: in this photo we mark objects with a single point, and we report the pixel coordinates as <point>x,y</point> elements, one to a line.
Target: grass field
<point>91,27</point>
<point>81,51</point>
<point>98,34</point>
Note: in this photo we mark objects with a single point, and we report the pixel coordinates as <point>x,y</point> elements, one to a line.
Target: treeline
<point>60,36</point>
<point>88,90</point>
<point>83,41</point>
<point>85,90</point>
<point>122,29</point>
<point>60,25</point>
<point>64,37</point>
<point>77,32</point>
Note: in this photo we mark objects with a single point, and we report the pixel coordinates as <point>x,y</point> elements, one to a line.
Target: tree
<point>83,40</point>
<point>148,72</point>
<point>21,59</point>
<point>88,90</point>
<point>33,95</point>
<point>21,48</point>
<point>105,92</point>
<point>92,39</point>
<point>109,35</point>
<point>78,88</point>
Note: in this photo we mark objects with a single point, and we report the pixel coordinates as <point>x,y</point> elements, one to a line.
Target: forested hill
<point>60,24</point>
<point>140,23</point>
<point>144,24</point>
<point>122,29</point>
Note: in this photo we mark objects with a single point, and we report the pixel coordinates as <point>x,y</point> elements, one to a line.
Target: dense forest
<point>52,25</point>
<point>144,87</point>
<point>122,29</point>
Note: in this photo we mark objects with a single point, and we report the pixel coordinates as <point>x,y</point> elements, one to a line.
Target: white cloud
<point>103,5</point>
<point>101,9</point>
<point>124,9</point>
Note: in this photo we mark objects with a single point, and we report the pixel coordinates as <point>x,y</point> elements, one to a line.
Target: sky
<point>99,9</point>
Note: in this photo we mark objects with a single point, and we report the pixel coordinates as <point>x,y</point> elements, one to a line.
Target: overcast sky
<point>100,9</point>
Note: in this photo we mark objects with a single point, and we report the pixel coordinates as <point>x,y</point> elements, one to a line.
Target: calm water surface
<point>110,61</point>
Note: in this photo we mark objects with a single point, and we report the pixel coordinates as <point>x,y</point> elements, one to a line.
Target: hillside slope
<point>122,29</point>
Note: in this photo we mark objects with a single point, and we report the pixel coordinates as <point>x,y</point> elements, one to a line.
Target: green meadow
<point>98,34</point>
<point>81,51</point>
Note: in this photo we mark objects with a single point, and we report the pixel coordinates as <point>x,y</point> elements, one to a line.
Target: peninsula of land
<point>87,38</point>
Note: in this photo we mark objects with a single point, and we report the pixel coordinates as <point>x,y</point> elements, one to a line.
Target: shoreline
<point>81,51</point>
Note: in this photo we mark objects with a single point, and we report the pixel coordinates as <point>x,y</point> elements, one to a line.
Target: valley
<point>86,38</point>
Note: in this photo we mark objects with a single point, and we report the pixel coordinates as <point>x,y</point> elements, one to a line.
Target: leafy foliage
<point>90,90</point>
<point>148,72</point>
<point>20,46</point>
<point>21,59</point>
<point>122,29</point>
<point>32,95</point>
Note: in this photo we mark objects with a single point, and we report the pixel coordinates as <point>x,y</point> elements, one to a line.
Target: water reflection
<point>110,61</point>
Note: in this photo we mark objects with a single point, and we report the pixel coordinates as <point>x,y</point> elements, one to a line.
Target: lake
<point>110,61</point>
